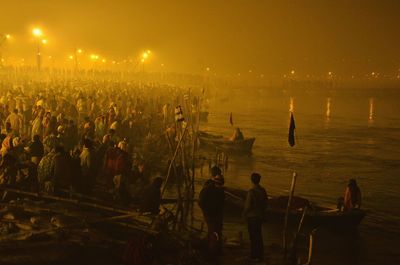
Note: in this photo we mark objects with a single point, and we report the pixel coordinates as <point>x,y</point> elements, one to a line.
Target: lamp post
<point>94,58</point>
<point>3,38</point>
<point>145,55</point>
<point>77,51</point>
<point>37,33</point>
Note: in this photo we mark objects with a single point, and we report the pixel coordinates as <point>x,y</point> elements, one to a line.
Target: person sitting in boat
<point>237,135</point>
<point>352,196</point>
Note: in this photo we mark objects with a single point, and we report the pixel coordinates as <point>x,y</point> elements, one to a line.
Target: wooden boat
<point>219,142</point>
<point>316,215</point>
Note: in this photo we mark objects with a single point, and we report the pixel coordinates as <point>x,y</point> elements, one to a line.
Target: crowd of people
<point>64,134</point>
<point>84,135</point>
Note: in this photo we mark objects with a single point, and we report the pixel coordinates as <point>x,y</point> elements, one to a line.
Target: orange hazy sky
<point>228,36</point>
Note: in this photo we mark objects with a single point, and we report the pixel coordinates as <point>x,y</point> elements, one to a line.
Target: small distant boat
<point>316,216</point>
<point>208,140</point>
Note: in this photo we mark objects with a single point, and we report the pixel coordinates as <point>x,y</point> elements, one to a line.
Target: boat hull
<point>316,216</point>
<point>218,142</point>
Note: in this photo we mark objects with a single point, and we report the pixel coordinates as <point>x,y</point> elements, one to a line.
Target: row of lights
<point>38,34</point>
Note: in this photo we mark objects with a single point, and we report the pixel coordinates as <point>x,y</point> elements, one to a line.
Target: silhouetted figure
<point>151,199</point>
<point>211,202</point>
<point>352,196</point>
<point>254,212</point>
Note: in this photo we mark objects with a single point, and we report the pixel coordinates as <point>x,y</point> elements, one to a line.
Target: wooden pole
<point>311,244</point>
<point>193,175</point>
<point>287,213</point>
<point>172,153</point>
<point>172,161</point>
<point>293,252</point>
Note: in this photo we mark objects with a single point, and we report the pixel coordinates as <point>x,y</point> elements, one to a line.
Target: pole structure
<point>38,55</point>
<point>76,60</point>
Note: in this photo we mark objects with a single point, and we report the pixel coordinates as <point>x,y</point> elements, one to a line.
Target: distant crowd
<point>62,135</point>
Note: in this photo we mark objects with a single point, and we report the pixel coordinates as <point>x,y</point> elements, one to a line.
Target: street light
<point>77,52</point>
<point>145,55</point>
<point>37,33</point>
<point>94,58</point>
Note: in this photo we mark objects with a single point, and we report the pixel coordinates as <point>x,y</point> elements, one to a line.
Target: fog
<point>228,37</point>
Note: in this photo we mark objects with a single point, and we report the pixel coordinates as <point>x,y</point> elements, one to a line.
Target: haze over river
<point>343,134</point>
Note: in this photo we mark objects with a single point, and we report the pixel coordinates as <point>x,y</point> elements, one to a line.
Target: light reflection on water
<point>335,142</point>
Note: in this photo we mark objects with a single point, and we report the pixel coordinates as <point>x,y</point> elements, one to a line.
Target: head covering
<point>114,125</point>
<point>123,145</point>
<point>219,179</point>
<point>16,141</point>
<point>60,129</point>
<point>106,138</point>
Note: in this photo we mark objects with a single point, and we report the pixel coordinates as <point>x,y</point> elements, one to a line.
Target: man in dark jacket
<point>211,202</point>
<point>254,210</point>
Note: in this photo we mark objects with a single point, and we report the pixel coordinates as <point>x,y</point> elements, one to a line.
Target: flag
<point>292,127</point>
<point>231,119</point>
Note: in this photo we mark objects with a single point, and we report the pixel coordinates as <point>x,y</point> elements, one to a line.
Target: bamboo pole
<point>293,252</point>
<point>172,161</point>
<point>172,154</point>
<point>311,245</point>
<point>193,175</point>
<point>287,213</point>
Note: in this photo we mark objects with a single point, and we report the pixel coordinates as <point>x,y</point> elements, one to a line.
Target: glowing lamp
<point>37,32</point>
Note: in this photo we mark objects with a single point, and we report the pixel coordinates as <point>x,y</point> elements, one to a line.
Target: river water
<point>340,134</point>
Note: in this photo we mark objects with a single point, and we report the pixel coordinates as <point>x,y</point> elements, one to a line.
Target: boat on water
<point>316,215</point>
<point>213,141</point>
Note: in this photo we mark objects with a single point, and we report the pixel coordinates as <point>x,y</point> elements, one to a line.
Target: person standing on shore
<point>211,202</point>
<point>254,211</point>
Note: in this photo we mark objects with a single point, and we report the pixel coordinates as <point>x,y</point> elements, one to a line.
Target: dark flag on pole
<point>231,119</point>
<point>292,127</point>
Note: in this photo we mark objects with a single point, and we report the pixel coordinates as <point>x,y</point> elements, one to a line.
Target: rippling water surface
<point>340,135</point>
